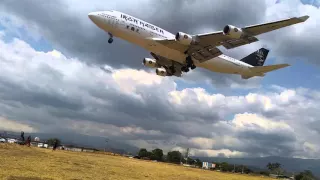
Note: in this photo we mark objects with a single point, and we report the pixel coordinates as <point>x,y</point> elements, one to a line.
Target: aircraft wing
<point>197,51</point>
<point>218,38</point>
<point>206,46</point>
<point>166,63</point>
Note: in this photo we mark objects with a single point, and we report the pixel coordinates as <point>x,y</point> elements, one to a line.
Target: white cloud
<point>193,116</point>
<point>255,122</point>
<point>52,92</point>
<point>127,79</point>
<point>10,125</point>
<point>222,152</point>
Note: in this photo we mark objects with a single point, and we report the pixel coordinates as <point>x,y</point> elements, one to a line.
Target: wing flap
<point>203,54</point>
<point>233,43</point>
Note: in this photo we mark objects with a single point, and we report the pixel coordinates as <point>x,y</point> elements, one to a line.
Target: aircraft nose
<point>92,15</point>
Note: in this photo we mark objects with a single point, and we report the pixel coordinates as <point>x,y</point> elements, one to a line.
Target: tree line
<point>174,157</point>
<point>275,168</point>
<point>177,157</point>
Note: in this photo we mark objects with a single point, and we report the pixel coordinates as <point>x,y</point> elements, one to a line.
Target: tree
<point>174,157</point>
<point>143,153</point>
<point>306,175</point>
<point>190,161</point>
<point>157,154</point>
<point>224,166</point>
<point>198,163</point>
<point>274,167</point>
<point>52,140</point>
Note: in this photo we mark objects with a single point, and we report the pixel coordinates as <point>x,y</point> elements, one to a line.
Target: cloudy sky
<point>51,78</point>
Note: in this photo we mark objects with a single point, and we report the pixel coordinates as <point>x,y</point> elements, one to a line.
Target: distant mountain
<point>294,165</point>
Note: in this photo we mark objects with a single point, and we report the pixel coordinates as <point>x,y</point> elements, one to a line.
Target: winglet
<point>304,18</point>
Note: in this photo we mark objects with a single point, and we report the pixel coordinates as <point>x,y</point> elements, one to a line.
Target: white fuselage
<point>142,33</point>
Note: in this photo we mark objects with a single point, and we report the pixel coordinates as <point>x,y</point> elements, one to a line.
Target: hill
<point>21,162</point>
<point>289,164</point>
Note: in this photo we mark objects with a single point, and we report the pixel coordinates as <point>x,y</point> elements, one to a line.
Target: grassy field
<point>31,163</point>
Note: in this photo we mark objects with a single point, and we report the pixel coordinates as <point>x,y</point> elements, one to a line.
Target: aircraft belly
<point>219,65</point>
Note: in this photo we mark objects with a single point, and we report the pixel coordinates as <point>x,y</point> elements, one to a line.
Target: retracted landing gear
<point>110,38</point>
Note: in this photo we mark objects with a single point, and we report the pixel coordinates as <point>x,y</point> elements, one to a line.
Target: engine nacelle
<point>152,63</point>
<point>232,31</point>
<point>184,38</point>
<point>161,72</point>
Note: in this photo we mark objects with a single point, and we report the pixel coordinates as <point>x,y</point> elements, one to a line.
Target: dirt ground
<point>32,163</point>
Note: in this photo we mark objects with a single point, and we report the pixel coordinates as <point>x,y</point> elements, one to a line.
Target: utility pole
<point>187,155</point>
<point>105,149</point>
<point>242,170</point>
<point>180,158</point>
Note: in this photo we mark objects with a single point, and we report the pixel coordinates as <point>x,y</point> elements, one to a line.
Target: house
<point>71,148</point>
<point>207,165</point>
<point>42,145</point>
<point>32,143</point>
<point>88,150</point>
<point>77,149</point>
<point>39,144</point>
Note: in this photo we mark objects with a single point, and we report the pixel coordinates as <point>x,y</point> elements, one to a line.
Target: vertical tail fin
<point>256,58</point>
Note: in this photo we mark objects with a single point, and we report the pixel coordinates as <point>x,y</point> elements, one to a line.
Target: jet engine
<point>232,31</point>
<point>152,63</point>
<point>184,38</point>
<point>161,72</point>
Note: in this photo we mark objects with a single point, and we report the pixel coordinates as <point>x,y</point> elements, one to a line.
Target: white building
<point>42,145</point>
<point>207,165</point>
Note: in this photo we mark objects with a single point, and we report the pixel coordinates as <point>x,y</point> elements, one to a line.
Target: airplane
<point>175,54</point>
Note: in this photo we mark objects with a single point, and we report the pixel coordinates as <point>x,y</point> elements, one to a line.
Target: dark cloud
<point>73,33</point>
<point>272,144</point>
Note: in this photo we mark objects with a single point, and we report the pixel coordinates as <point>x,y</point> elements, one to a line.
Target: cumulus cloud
<point>50,92</point>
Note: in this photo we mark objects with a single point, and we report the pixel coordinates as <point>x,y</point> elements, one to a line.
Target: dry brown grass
<point>31,163</point>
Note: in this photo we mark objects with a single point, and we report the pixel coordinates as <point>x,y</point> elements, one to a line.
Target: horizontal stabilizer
<point>265,69</point>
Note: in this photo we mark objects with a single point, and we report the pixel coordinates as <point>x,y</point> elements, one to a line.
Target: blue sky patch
<point>21,33</point>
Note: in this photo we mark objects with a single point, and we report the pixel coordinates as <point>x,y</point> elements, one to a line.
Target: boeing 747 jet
<point>174,54</point>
